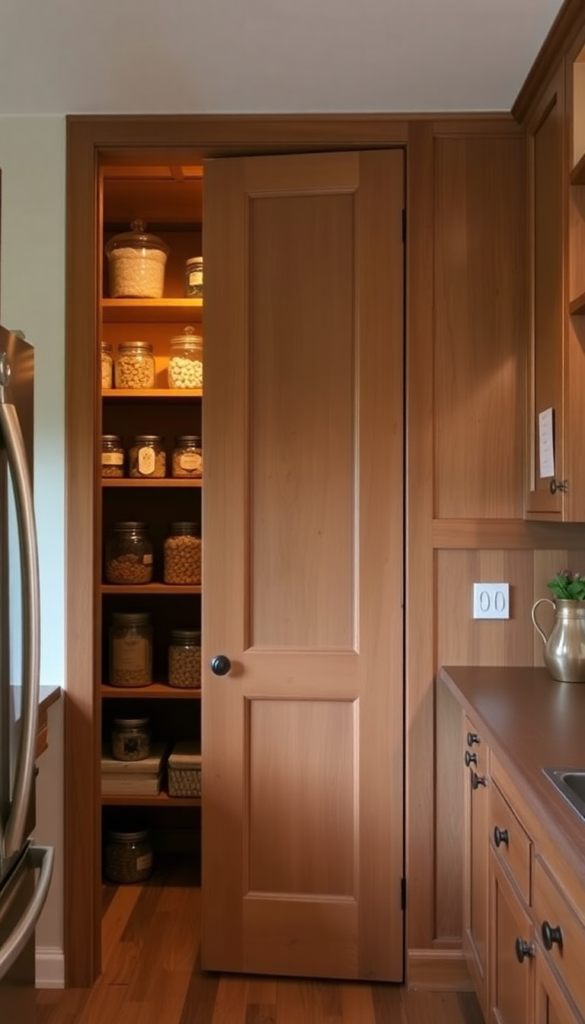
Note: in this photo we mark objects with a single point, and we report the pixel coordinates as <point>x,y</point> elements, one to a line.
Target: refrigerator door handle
<point>16,826</point>
<point>36,857</point>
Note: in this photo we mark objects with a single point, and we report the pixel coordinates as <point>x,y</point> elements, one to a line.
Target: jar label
<point>190,461</point>
<point>195,278</point>
<point>147,559</point>
<point>144,863</point>
<point>146,461</point>
<point>112,458</point>
<point>131,653</point>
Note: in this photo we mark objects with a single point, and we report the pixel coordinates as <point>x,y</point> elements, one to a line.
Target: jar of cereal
<point>187,456</point>
<point>182,555</point>
<point>137,263</point>
<point>185,659</point>
<point>107,366</point>
<point>134,365</point>
<point>147,457</point>
<point>186,360</point>
<point>130,650</point>
<point>129,554</point>
<point>112,455</point>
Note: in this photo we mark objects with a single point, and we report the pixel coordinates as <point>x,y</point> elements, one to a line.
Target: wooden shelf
<point>126,311</point>
<point>142,394</point>
<point>160,800</point>
<point>154,691</point>
<point>117,481</point>
<point>148,588</point>
<point>577,305</point>
<point>577,175</point>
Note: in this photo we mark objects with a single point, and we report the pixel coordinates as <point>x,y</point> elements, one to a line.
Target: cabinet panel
<point>557,919</point>
<point>475,865</point>
<point>511,981</point>
<point>512,843</point>
<point>552,1005</point>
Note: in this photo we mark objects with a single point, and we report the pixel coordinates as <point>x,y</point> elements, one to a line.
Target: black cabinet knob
<point>477,780</point>
<point>551,935</point>
<point>472,738</point>
<point>558,485</point>
<point>220,665</point>
<point>470,759</point>
<point>523,949</point>
<point>501,836</point>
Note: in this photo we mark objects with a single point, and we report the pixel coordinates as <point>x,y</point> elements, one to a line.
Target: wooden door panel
<point>303,565</point>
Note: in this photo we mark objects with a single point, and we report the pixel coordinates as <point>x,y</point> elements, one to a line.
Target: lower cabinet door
<point>511,976</point>
<point>552,1006</point>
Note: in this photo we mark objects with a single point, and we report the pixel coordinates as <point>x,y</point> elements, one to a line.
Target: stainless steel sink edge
<point>564,780</point>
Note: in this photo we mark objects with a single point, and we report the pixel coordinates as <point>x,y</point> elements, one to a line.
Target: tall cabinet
<point>171,207</point>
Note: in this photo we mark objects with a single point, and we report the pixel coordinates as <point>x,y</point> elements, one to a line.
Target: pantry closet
<point>300,512</point>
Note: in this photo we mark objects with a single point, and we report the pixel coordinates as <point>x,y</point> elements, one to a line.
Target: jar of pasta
<point>128,554</point>
<point>187,456</point>
<point>134,366</point>
<point>112,456</point>
<point>107,366</point>
<point>130,649</point>
<point>186,360</point>
<point>147,456</point>
<point>182,554</point>
<point>185,659</point>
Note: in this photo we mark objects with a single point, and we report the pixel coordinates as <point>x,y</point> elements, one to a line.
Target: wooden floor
<point>151,975</point>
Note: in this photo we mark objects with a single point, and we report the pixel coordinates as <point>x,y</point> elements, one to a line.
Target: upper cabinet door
<point>303,565</point>
<point>546,485</point>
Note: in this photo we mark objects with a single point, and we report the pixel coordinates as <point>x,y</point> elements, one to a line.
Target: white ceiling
<point>281,56</point>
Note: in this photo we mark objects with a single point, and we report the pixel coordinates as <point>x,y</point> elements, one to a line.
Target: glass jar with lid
<point>112,455</point>
<point>187,456</point>
<point>137,262</point>
<point>130,649</point>
<point>129,554</point>
<point>135,366</point>
<point>182,554</point>
<point>186,360</point>
<point>107,366</point>
<point>194,277</point>
<point>128,856</point>
<point>185,659</point>
<point>130,739</point>
<point>147,456</point>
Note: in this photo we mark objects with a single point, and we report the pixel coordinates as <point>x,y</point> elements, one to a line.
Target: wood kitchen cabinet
<point>475,862</point>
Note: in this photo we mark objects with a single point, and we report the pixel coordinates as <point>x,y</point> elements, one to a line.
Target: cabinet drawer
<point>552,908</point>
<point>512,844</point>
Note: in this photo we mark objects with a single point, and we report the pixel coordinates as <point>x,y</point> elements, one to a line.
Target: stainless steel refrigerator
<point>25,869</point>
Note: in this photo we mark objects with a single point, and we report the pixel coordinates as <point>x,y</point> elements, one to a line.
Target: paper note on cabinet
<point>546,443</point>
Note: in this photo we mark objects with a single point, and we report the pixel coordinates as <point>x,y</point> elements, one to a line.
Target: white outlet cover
<point>491,600</point>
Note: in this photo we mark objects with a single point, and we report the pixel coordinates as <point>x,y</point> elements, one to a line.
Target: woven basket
<point>184,770</point>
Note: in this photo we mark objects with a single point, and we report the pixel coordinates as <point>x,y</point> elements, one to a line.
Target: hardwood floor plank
<point>231,1001</point>
<point>357,1004</point>
<point>388,1004</point>
<point>294,1002</point>
<point>115,917</point>
<point>200,997</point>
<point>438,1007</point>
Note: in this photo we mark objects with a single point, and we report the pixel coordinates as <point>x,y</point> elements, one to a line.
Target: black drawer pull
<point>472,738</point>
<point>477,780</point>
<point>551,935</point>
<point>523,949</point>
<point>501,836</point>
<point>470,759</point>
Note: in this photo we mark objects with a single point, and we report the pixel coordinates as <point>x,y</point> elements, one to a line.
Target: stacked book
<point>133,778</point>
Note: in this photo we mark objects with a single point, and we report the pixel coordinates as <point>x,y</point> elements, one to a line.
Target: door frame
<point>124,139</point>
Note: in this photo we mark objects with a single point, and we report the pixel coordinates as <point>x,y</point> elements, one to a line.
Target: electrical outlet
<point>491,600</point>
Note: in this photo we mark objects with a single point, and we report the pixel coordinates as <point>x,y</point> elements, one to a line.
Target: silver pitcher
<point>564,648</point>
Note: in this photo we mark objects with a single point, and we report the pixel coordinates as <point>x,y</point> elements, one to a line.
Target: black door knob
<point>220,665</point>
<point>501,836</point>
<point>551,935</point>
<point>523,949</point>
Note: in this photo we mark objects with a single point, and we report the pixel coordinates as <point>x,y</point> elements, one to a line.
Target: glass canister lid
<point>137,238</point>
<point>188,337</point>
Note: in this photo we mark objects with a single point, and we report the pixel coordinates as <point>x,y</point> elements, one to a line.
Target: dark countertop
<point>530,721</point>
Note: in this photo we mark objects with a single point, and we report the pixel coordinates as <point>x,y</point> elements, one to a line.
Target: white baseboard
<point>50,967</point>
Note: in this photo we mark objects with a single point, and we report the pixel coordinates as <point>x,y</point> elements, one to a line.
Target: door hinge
<point>404,225</point>
<point>403,893</point>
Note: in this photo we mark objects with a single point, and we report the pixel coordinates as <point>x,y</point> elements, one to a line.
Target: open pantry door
<point>303,565</point>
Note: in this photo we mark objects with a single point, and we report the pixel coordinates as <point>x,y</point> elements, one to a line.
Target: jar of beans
<point>185,659</point>
<point>107,366</point>
<point>187,456</point>
<point>130,739</point>
<point>134,365</point>
<point>129,554</point>
<point>186,360</point>
<point>147,457</point>
<point>182,554</point>
<point>130,649</point>
<point>112,455</point>
<point>128,856</point>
